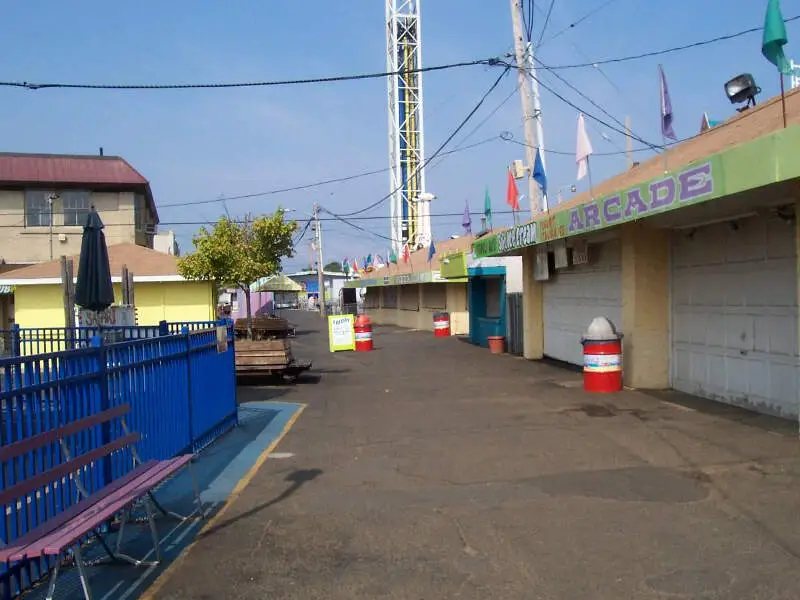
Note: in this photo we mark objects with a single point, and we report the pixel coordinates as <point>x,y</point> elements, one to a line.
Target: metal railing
<point>182,391</point>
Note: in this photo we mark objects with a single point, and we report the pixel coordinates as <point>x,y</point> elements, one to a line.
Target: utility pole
<point>537,111</point>
<point>524,55</point>
<point>320,266</point>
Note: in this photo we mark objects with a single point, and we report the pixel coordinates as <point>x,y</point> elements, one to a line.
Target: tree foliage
<point>234,254</point>
<point>333,267</point>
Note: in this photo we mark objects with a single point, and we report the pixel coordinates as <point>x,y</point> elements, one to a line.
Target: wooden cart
<point>268,357</point>
<point>264,328</point>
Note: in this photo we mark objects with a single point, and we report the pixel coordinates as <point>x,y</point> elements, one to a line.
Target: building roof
<point>276,283</point>
<point>418,260</point>
<point>754,122</point>
<point>146,264</point>
<point>72,170</point>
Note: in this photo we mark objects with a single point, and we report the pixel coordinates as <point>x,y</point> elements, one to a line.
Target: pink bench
<point>66,529</point>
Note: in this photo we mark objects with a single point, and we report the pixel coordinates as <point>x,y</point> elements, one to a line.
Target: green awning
<point>276,283</point>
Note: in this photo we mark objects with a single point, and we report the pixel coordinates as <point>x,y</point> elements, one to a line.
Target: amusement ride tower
<point>410,205</point>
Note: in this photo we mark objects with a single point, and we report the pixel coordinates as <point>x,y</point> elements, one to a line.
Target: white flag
<point>584,149</point>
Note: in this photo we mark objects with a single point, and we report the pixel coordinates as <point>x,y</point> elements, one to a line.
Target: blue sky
<point>199,145</point>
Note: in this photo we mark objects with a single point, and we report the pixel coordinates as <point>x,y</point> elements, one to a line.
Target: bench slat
<point>15,449</point>
<point>30,484</point>
<point>15,550</point>
<point>107,507</point>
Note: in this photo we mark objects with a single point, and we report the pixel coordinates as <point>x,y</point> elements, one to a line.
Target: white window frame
<point>75,204</point>
<point>41,215</point>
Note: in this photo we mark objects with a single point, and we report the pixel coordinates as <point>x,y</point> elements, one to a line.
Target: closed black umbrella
<point>94,290</point>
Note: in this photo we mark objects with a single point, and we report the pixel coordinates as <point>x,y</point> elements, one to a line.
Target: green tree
<point>334,267</point>
<point>234,254</point>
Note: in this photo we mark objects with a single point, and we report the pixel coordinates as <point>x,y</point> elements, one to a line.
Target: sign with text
<point>506,241</point>
<point>341,332</point>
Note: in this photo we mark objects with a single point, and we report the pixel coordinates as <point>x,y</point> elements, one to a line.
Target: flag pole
<point>783,98</point>
<point>589,173</point>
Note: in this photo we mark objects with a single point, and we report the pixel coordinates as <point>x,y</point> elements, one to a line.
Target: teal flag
<point>775,37</point>
<point>487,208</point>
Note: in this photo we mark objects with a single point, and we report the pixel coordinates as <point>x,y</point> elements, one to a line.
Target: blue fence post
<point>101,357</point>
<point>163,328</point>
<point>189,395</point>
<point>16,342</point>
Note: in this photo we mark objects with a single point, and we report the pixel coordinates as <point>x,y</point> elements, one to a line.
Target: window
<point>76,207</point>
<point>37,208</point>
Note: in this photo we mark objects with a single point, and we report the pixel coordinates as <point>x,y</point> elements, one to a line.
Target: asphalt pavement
<point>430,469</point>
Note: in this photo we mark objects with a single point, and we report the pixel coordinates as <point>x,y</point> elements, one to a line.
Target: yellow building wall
<point>42,306</point>
<point>422,318</point>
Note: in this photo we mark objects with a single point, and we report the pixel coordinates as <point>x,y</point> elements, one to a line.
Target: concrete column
<point>797,251</point>
<point>532,312</point>
<point>645,306</point>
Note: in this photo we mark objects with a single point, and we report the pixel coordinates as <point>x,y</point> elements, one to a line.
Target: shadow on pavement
<point>726,411</point>
<point>217,469</point>
<point>297,478</point>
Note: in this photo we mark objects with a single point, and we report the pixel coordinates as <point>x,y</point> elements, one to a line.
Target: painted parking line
<point>237,466</point>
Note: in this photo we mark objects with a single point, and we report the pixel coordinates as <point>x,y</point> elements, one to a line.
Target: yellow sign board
<point>341,332</point>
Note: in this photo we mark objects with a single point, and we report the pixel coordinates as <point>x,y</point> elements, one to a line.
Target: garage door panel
<point>575,296</point>
<point>734,324</point>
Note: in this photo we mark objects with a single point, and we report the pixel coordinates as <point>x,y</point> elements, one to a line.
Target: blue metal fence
<point>181,389</point>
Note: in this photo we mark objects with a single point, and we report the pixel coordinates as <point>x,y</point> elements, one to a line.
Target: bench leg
<point>87,592</point>
<point>198,510</point>
<point>117,555</point>
<point>51,586</point>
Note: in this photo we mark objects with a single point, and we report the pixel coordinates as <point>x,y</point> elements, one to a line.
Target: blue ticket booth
<point>487,303</point>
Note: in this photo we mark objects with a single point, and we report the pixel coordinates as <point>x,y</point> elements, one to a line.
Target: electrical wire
<point>492,62</point>
<point>321,183</point>
<point>478,126</point>
<point>721,38</point>
<point>546,23</point>
<point>595,104</point>
<point>578,22</point>
<point>303,233</point>
<point>437,151</point>
<point>590,115</point>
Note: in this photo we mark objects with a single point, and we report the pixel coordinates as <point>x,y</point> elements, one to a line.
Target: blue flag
<point>431,251</point>
<point>538,172</point>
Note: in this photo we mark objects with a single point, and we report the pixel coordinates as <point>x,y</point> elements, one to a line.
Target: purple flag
<point>466,222</point>
<point>666,108</point>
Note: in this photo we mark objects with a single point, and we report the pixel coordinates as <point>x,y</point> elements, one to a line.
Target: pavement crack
<point>465,545</point>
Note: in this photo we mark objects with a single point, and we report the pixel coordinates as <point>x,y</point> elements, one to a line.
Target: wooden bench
<point>66,529</point>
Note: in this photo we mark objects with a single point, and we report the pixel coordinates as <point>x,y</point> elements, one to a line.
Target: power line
<point>509,138</point>
<point>307,186</point>
<point>721,38</point>
<point>546,23</point>
<point>595,104</point>
<point>492,62</point>
<point>438,150</point>
<point>578,22</point>
<point>590,115</point>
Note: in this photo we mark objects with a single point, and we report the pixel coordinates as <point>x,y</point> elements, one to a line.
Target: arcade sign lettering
<point>672,191</point>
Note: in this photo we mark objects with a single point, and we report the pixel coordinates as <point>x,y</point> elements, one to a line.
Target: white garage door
<point>575,296</point>
<point>734,314</point>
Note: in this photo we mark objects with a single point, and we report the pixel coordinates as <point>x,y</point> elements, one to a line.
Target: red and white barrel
<point>363,333</point>
<point>441,324</point>
<point>602,357</point>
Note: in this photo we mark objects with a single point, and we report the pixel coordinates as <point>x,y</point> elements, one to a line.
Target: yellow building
<point>160,292</point>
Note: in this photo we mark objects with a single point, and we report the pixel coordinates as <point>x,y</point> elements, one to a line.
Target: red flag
<point>512,195</point>
<point>406,253</point>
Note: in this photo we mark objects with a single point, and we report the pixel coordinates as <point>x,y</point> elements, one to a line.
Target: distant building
<point>165,241</point>
<point>44,200</point>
